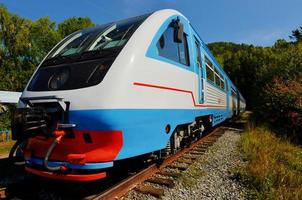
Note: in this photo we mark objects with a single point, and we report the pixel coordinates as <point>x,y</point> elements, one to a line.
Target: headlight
<point>59,79</point>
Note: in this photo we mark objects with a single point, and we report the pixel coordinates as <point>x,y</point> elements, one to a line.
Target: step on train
<point>146,85</point>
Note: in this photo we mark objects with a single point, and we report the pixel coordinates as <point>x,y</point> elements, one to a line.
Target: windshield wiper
<point>86,55</point>
<point>100,53</point>
<point>61,59</point>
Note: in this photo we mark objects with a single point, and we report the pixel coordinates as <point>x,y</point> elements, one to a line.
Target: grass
<point>274,169</point>
<point>5,148</point>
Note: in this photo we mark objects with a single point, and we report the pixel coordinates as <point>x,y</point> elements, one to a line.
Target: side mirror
<point>178,31</point>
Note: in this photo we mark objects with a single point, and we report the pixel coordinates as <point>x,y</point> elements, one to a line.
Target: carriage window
<point>167,48</point>
<point>219,80</point>
<point>217,77</point>
<point>222,84</point>
<point>209,70</point>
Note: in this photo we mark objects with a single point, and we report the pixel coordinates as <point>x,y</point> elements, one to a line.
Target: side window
<point>209,70</point>
<point>198,58</point>
<point>183,51</point>
<point>217,77</point>
<point>222,83</point>
<point>167,47</point>
<point>177,52</point>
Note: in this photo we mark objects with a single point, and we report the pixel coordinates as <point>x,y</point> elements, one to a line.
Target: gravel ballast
<point>211,176</point>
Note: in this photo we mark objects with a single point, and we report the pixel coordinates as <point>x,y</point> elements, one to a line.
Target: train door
<point>199,69</point>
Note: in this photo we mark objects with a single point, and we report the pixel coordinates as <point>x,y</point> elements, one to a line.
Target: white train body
<point>141,94</point>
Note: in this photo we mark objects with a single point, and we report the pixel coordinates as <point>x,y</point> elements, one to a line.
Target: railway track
<point>138,181</point>
<point>142,181</point>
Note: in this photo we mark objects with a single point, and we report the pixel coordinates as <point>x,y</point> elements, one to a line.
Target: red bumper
<point>85,146</point>
<point>67,177</point>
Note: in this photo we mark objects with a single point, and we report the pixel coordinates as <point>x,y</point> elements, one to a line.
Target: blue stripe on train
<point>143,129</point>
<point>38,161</point>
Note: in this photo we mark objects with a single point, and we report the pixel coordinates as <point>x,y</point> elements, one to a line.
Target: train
<point>146,85</point>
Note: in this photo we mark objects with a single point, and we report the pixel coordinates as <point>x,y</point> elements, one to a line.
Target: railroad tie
<point>199,150</point>
<point>147,189</point>
<point>216,137</point>
<point>208,143</point>
<point>218,134</point>
<point>234,129</point>
<point>212,140</point>
<point>182,168</point>
<point>205,145</point>
<point>201,147</point>
<point>186,161</point>
<point>162,181</point>
<point>191,157</point>
<point>171,174</point>
<point>196,153</point>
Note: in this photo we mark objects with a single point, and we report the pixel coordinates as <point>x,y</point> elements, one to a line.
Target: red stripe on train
<point>177,90</point>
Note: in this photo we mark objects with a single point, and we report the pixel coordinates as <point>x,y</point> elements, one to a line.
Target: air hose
<point>59,135</point>
<point>18,145</point>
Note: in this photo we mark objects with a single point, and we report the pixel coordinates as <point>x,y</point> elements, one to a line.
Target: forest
<point>270,78</point>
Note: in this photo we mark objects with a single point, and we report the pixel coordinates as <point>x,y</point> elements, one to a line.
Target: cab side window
<point>183,51</point>
<point>198,54</point>
<point>169,49</point>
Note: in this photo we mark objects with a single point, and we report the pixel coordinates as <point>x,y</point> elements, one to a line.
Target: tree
<point>270,79</point>
<point>15,50</point>
<point>43,37</point>
<point>281,43</point>
<point>297,34</point>
<point>24,43</point>
<point>14,37</point>
<point>73,24</point>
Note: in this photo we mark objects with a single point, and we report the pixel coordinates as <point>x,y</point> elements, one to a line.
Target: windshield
<point>84,57</point>
<point>105,37</point>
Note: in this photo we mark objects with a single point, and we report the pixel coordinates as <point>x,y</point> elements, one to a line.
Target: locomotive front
<point>58,130</point>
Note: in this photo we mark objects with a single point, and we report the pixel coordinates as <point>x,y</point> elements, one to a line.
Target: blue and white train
<point>133,87</point>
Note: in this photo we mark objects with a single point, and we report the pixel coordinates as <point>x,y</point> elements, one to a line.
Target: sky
<point>257,22</point>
